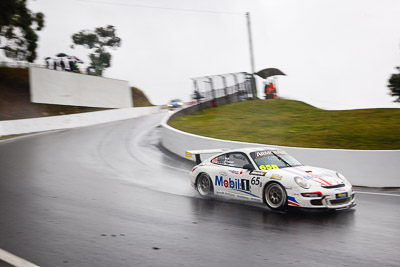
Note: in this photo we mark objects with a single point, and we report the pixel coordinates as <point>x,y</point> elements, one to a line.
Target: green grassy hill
<point>139,98</point>
<point>294,123</point>
<point>15,98</point>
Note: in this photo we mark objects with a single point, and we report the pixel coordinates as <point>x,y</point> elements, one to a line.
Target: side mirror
<point>249,167</point>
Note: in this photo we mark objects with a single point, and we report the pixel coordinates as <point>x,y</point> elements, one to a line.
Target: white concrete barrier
<point>71,121</point>
<point>67,88</point>
<point>372,168</point>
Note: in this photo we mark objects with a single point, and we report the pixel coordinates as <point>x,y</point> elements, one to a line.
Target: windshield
<point>273,159</point>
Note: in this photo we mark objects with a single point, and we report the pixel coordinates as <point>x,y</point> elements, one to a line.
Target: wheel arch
<point>211,185</point>
<point>198,175</point>
<point>270,182</point>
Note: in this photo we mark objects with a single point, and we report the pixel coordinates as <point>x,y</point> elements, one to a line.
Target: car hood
<point>316,175</point>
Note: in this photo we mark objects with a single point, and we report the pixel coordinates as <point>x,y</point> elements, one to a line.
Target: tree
<point>98,40</point>
<point>18,24</point>
<point>394,85</point>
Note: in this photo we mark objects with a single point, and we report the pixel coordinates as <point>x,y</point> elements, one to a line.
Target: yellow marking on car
<point>268,167</point>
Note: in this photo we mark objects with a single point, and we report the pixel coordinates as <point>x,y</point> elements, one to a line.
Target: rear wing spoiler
<point>190,153</point>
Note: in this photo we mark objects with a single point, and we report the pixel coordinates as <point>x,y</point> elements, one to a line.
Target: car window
<point>237,160</point>
<point>273,159</point>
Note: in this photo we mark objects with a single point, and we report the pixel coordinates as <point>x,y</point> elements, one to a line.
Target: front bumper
<point>329,199</point>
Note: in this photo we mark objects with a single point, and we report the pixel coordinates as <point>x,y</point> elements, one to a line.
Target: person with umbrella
<point>270,88</point>
<point>62,63</point>
<point>46,59</point>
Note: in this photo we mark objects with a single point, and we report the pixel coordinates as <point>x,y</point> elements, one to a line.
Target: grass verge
<point>294,123</point>
<point>139,98</point>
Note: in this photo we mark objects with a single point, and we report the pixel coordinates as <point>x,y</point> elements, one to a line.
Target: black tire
<point>204,185</point>
<point>275,196</point>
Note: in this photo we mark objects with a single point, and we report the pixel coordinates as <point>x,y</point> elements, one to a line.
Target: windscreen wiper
<point>284,161</point>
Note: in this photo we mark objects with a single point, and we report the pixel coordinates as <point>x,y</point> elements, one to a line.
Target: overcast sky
<point>337,54</point>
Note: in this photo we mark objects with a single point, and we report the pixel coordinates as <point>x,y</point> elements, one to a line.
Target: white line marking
<point>15,260</point>
<point>381,194</point>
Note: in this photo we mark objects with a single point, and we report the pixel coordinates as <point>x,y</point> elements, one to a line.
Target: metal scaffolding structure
<point>222,85</point>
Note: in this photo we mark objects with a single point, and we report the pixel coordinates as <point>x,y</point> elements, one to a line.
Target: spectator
<point>71,65</point>
<point>76,69</point>
<point>270,91</point>
<point>55,64</point>
<point>62,64</point>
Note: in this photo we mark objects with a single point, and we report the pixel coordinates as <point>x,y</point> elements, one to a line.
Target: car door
<point>234,181</point>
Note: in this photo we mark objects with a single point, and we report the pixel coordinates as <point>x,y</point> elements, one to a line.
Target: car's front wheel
<point>204,185</point>
<point>275,196</point>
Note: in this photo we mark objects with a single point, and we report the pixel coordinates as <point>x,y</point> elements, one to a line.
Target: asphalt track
<point>109,195</point>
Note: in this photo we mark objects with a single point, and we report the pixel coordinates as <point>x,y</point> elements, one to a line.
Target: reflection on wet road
<point>109,195</point>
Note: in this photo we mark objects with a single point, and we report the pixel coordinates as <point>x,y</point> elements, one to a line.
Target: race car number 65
<point>255,181</point>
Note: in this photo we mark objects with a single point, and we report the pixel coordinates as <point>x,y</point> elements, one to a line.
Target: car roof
<point>253,149</point>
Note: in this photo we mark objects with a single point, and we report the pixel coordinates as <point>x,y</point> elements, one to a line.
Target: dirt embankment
<point>15,98</point>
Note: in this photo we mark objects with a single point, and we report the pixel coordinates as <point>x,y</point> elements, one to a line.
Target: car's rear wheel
<point>275,196</point>
<point>204,185</point>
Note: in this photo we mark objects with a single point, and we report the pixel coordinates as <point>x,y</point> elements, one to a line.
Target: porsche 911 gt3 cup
<point>271,176</point>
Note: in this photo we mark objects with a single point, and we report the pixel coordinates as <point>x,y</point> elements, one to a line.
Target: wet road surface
<point>109,195</point>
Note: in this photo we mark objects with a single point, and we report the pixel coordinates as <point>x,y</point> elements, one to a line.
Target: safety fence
<point>210,88</point>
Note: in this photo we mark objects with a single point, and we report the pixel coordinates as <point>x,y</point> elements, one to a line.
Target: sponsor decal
<point>194,168</point>
<point>276,177</point>
<point>340,190</point>
<point>234,172</point>
<point>264,153</point>
<point>188,154</point>
<point>258,173</point>
<point>268,167</point>
<point>308,177</point>
<point>238,184</point>
<point>293,202</point>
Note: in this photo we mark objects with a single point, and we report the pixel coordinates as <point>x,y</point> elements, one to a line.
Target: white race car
<point>271,176</point>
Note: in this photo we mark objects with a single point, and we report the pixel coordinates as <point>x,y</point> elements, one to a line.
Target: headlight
<point>180,103</point>
<point>341,176</point>
<point>302,182</point>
